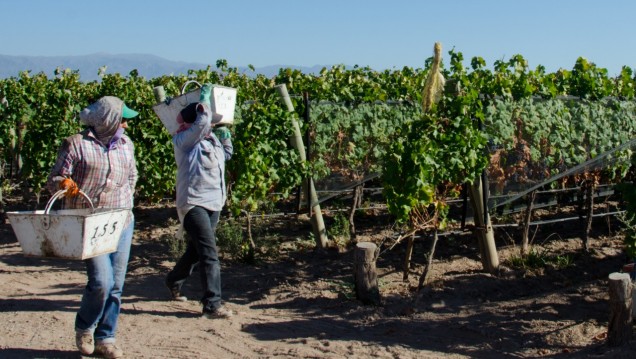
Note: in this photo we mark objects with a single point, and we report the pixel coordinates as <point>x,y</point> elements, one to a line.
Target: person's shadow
<point>23,353</point>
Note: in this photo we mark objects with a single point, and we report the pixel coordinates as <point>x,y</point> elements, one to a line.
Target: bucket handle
<point>188,83</point>
<point>46,218</point>
<point>61,193</point>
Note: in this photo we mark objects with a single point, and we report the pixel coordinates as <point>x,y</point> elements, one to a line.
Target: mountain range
<point>148,66</point>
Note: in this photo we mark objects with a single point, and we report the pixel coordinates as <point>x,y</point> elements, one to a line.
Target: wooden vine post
<point>483,228</point>
<point>317,222</point>
<point>365,275</point>
<point>620,329</point>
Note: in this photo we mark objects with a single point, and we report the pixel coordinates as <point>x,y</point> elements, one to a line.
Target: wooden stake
<point>483,228</point>
<point>365,275</point>
<point>317,222</point>
<point>619,330</point>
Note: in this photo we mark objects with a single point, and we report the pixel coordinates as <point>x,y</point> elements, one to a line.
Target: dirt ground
<point>300,304</point>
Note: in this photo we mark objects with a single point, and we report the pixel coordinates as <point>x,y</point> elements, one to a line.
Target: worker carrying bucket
<point>97,163</point>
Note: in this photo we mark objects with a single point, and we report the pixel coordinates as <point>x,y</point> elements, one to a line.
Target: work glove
<point>222,133</point>
<point>204,98</point>
<point>70,186</point>
<point>206,92</point>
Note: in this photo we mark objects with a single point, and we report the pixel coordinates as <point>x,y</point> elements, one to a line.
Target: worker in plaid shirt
<point>100,161</point>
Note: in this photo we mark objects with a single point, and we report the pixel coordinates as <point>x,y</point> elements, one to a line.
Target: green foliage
<point>628,193</point>
<point>339,230</point>
<point>433,155</point>
<point>176,244</point>
<point>263,161</point>
<point>624,84</point>
<point>230,239</point>
<point>629,220</point>
<point>361,121</point>
<point>537,259</point>
<point>589,81</point>
<point>39,114</point>
<point>344,288</point>
<point>340,225</point>
<point>544,138</point>
<point>351,140</point>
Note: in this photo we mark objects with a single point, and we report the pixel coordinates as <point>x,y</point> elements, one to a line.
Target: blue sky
<point>379,34</point>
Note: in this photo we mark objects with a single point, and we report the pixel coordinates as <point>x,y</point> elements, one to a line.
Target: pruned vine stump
<point>365,274</point>
<point>620,330</point>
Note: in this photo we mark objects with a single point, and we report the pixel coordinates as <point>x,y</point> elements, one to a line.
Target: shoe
<point>108,350</point>
<point>220,313</point>
<point>175,293</point>
<point>85,342</point>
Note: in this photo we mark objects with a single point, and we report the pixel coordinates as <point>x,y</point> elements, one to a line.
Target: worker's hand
<point>222,133</point>
<point>70,186</point>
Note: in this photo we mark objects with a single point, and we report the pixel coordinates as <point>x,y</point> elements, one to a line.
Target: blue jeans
<point>200,224</point>
<point>101,302</point>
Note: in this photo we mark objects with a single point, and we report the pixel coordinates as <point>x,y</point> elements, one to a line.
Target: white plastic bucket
<point>68,233</point>
<point>222,101</point>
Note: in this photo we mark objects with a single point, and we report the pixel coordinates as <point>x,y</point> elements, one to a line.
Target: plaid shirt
<point>108,177</point>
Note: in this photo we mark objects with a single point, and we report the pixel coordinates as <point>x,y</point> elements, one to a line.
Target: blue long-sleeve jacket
<point>200,158</point>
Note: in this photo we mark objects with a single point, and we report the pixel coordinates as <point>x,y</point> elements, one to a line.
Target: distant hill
<point>148,66</point>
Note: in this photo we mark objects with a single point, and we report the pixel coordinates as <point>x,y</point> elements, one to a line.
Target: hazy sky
<point>379,34</point>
